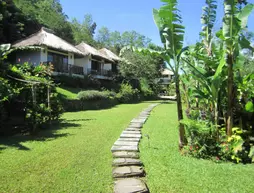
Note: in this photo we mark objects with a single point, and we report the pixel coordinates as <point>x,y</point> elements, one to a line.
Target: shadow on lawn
<point>47,134</point>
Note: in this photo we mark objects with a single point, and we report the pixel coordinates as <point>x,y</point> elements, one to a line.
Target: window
<point>60,62</point>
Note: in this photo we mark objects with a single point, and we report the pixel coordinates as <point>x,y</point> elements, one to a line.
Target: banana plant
<point>234,21</point>
<point>207,20</point>
<point>210,85</point>
<point>168,21</point>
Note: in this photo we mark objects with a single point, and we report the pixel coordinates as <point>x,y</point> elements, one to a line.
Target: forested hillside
<point>20,18</point>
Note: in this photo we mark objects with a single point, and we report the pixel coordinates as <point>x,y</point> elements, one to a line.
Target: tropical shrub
<point>31,89</point>
<point>127,94</point>
<point>201,136</point>
<point>148,90</point>
<point>92,95</point>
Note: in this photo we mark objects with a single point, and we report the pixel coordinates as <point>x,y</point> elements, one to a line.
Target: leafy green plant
<point>127,94</point>
<point>232,147</point>
<point>92,95</point>
<point>201,137</point>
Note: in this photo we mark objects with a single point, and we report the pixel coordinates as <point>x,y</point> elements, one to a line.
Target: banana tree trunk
<point>182,138</point>
<point>230,95</point>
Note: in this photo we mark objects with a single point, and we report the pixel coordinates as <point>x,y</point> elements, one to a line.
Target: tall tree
<point>84,31</point>
<point>14,25</point>
<point>103,37</point>
<point>48,13</point>
<point>140,66</point>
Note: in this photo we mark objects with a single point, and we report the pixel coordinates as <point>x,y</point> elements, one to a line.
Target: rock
<point>130,136</point>
<point>130,185</point>
<point>125,154</point>
<point>128,171</point>
<point>126,143</point>
<point>126,162</point>
<point>124,148</point>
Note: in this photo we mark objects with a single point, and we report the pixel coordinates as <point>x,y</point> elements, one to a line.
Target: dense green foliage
<point>116,41</point>
<point>48,13</point>
<point>90,95</point>
<point>27,94</point>
<point>215,77</point>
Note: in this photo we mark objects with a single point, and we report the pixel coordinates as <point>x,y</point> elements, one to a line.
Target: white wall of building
<point>70,58</point>
<point>83,62</point>
<point>44,54</point>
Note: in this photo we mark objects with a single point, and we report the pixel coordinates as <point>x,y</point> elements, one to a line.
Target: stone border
<point>127,167</point>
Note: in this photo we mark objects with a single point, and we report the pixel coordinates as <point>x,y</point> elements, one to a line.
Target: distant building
<point>166,78</point>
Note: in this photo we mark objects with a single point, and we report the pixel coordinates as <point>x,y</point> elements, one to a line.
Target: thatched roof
<point>110,54</point>
<point>167,72</point>
<point>45,37</point>
<point>89,50</point>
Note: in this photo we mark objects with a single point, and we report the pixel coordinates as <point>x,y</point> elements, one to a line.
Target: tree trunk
<point>197,102</point>
<point>230,95</point>
<point>186,96</point>
<point>34,127</point>
<point>182,138</point>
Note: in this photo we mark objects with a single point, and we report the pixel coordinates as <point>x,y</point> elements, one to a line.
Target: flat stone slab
<point>131,132</point>
<point>124,148</point>
<point>125,154</point>
<point>129,139</point>
<point>130,185</point>
<point>132,129</point>
<point>138,120</point>
<point>145,114</point>
<point>127,143</point>
<point>126,162</point>
<point>136,125</point>
<point>130,136</point>
<point>128,171</point>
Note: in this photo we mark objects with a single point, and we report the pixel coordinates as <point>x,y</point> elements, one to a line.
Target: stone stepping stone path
<point>130,185</point>
<point>127,167</point>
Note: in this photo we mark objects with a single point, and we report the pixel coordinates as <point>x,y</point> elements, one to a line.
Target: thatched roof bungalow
<point>53,49</point>
<point>110,54</point>
<point>100,65</point>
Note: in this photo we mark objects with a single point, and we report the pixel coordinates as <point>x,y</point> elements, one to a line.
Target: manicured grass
<point>168,171</point>
<point>68,93</point>
<point>74,157</point>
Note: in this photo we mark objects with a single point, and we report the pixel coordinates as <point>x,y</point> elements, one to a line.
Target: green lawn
<point>168,171</point>
<point>68,93</point>
<point>74,157</point>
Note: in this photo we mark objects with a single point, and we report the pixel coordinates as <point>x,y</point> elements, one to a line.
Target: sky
<point>127,15</point>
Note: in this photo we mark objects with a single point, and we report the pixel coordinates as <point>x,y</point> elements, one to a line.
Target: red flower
<point>196,147</point>
<point>191,147</point>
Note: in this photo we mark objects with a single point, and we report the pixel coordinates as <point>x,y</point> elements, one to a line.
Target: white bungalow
<point>54,50</point>
<point>97,64</point>
<point>166,77</point>
<point>113,57</point>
